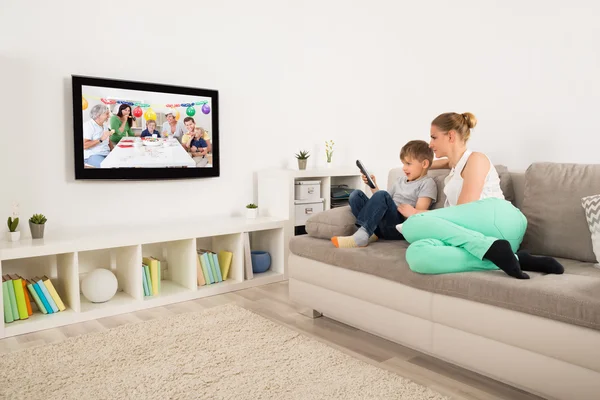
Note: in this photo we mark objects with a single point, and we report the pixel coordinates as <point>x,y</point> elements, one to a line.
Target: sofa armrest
<point>335,222</point>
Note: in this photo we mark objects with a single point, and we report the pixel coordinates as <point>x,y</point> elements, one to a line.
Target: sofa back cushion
<point>439,175</point>
<point>557,224</point>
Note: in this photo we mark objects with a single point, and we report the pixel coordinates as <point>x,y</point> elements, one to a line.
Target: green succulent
<point>303,155</point>
<point>251,205</point>
<point>38,219</point>
<point>12,224</point>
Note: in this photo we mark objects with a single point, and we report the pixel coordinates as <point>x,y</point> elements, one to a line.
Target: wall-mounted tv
<point>139,130</point>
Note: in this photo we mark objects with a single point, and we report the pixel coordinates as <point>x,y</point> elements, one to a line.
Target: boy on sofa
<point>378,216</point>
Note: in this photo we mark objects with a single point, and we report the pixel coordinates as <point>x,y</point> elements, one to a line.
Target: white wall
<point>370,75</point>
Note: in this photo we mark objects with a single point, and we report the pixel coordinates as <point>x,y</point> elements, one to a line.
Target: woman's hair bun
<point>470,119</point>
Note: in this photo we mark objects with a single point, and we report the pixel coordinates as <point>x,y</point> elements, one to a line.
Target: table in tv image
<point>131,153</point>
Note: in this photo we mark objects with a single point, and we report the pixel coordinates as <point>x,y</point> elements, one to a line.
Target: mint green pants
<point>455,239</point>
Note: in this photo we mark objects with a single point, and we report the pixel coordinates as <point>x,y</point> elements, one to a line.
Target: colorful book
<point>247,257</point>
<point>27,298</point>
<point>12,298</point>
<point>145,282</point>
<point>153,265</point>
<point>35,297</point>
<point>20,296</point>
<point>217,267</point>
<point>225,258</point>
<point>8,316</point>
<point>206,266</point>
<point>158,274</point>
<point>148,279</point>
<point>199,272</point>
<point>53,293</point>
<point>213,267</point>
<point>46,292</point>
<point>42,297</point>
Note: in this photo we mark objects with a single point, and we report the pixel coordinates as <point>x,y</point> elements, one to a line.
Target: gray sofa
<point>541,335</point>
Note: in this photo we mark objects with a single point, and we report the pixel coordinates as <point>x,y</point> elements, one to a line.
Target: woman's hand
<point>406,210</point>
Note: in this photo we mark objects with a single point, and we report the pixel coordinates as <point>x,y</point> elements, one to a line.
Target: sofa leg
<point>309,312</point>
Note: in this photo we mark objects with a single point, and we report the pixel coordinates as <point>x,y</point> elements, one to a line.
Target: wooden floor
<point>272,301</point>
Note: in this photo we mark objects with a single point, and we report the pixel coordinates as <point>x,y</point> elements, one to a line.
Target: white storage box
<point>307,190</point>
<point>305,209</point>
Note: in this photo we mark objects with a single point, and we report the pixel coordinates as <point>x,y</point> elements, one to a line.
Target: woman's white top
<point>454,182</point>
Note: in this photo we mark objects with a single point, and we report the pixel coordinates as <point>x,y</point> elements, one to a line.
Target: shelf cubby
<point>123,262</point>
<point>233,243</point>
<point>178,266</point>
<point>271,241</point>
<point>61,270</point>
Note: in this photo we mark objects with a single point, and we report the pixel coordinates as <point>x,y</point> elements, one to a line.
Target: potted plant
<point>13,233</point>
<point>37,222</point>
<point>251,210</point>
<point>329,151</point>
<point>302,157</point>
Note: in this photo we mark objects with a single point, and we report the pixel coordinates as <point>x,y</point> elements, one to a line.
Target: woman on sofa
<point>477,229</point>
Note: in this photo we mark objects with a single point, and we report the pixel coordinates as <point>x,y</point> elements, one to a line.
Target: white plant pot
<point>329,164</point>
<point>251,212</point>
<point>13,236</point>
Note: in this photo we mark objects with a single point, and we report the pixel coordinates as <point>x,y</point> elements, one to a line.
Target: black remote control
<point>365,173</point>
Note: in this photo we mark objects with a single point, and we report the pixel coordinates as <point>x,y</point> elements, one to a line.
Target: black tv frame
<point>141,173</point>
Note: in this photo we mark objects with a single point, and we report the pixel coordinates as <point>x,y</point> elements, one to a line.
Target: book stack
<point>18,294</point>
<point>212,267</point>
<point>151,276</point>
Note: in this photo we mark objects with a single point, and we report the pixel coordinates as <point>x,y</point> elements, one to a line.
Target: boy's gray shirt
<point>405,192</point>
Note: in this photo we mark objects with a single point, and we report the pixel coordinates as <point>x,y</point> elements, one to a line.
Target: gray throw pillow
<point>591,205</point>
<point>335,222</point>
<point>556,222</point>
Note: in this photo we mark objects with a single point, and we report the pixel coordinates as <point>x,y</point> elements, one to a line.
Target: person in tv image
<point>95,136</point>
<point>150,129</point>
<point>190,125</point>
<point>173,128</point>
<point>197,146</point>
<point>121,123</point>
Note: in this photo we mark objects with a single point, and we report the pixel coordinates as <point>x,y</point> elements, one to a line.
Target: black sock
<point>547,265</point>
<point>502,255</point>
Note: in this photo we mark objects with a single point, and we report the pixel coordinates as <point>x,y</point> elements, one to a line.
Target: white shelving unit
<point>67,256</point>
<point>276,192</point>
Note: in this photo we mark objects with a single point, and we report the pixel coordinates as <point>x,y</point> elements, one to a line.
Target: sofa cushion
<point>591,206</point>
<point>572,298</point>
<point>557,224</point>
<point>335,222</point>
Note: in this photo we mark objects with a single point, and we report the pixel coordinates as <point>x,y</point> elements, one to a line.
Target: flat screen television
<point>139,130</point>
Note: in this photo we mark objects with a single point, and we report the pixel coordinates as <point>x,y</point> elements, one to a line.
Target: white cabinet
<point>304,209</point>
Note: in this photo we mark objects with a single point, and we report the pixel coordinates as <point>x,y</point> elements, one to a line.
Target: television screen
<point>138,130</point>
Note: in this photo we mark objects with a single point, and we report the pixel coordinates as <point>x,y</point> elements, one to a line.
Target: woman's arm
<point>473,175</point>
<point>115,122</point>
<point>442,163</point>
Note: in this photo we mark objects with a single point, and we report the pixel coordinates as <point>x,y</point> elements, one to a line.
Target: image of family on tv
<point>125,134</point>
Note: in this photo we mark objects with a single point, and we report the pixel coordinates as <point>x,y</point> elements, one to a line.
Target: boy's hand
<point>194,149</point>
<point>364,178</point>
<point>406,210</point>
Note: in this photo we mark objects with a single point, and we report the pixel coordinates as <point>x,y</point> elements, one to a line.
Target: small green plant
<point>12,224</point>
<point>329,150</point>
<point>38,219</point>
<point>303,155</point>
<point>251,205</point>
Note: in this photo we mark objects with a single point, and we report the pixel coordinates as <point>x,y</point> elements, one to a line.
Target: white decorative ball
<point>99,286</point>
